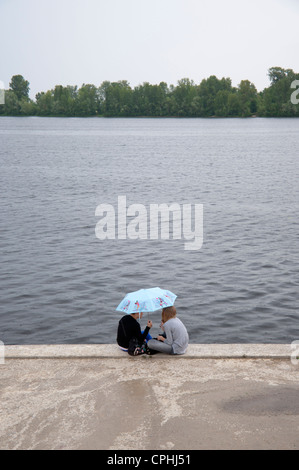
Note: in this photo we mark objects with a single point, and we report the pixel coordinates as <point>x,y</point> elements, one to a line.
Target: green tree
<point>64,100</point>
<point>212,97</point>
<point>20,87</point>
<point>27,108</point>
<point>233,104</point>
<point>102,95</point>
<point>118,97</point>
<point>87,101</point>
<point>208,90</point>
<point>184,94</point>
<point>221,103</point>
<point>44,103</point>
<point>150,100</point>
<point>277,73</point>
<point>12,105</point>
<point>247,94</point>
<point>275,100</point>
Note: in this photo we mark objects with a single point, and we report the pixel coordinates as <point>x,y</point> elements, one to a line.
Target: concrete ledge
<point>197,351</point>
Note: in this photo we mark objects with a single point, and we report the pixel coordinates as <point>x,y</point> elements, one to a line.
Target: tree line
<point>212,97</point>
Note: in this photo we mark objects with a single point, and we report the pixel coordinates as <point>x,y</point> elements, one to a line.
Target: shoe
<point>138,352</point>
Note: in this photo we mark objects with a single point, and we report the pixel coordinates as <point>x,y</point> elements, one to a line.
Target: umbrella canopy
<point>146,300</point>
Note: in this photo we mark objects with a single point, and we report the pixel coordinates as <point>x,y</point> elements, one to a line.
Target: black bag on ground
<point>134,348</point>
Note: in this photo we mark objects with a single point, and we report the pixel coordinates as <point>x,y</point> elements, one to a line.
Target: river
<point>61,284</point>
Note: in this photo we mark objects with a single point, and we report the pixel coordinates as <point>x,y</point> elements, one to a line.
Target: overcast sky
<point>71,42</point>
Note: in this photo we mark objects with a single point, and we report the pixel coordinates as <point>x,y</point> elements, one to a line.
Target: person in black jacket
<point>129,328</point>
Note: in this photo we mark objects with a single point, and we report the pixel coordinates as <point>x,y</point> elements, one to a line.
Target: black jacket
<point>129,328</point>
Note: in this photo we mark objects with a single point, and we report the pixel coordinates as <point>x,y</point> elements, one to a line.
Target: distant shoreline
<point>151,117</point>
<point>211,98</point>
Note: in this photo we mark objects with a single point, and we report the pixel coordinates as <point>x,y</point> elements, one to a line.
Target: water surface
<point>60,284</point>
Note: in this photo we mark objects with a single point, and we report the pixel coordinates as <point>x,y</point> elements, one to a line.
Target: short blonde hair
<point>168,313</point>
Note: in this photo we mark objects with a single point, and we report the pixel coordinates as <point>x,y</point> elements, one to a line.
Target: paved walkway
<point>96,397</point>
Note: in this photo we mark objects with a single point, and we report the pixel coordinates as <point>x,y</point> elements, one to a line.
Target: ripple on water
<point>61,284</point>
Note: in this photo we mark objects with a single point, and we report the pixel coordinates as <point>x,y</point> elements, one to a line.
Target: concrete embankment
<point>229,396</point>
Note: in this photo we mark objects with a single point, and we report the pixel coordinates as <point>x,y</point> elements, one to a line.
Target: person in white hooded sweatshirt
<point>175,338</point>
